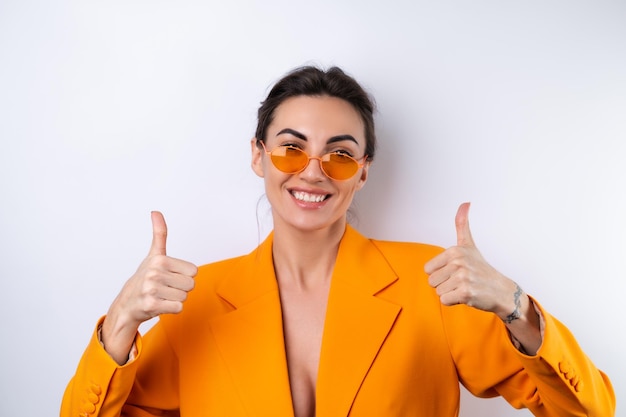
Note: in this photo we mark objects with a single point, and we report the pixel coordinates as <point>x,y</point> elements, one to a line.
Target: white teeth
<point>308,198</point>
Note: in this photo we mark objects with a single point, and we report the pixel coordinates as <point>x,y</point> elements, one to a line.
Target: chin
<point>309,225</point>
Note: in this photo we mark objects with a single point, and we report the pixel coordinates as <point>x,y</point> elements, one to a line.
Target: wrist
<point>516,312</point>
<point>526,330</point>
<point>117,336</point>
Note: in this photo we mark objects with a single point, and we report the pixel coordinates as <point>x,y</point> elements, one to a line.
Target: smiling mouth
<point>309,198</point>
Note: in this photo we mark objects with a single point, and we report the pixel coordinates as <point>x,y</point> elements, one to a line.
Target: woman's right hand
<point>159,286</point>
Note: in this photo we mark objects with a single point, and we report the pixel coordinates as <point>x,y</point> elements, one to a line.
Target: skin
<point>306,240</point>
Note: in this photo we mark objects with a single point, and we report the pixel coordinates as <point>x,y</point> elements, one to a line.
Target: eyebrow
<point>338,138</point>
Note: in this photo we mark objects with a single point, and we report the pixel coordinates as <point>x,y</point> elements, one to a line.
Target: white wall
<point>111,109</point>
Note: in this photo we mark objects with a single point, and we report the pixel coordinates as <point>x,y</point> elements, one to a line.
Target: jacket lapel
<point>357,323</point>
<point>250,338</point>
<point>251,341</point>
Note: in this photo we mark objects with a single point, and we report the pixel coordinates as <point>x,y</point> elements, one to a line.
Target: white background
<point>111,109</point>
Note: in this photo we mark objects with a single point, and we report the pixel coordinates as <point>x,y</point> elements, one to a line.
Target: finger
<point>157,306</point>
<point>432,265</point>
<point>440,261</point>
<point>185,268</point>
<point>179,282</point>
<point>174,266</point>
<point>171,307</point>
<point>455,290</point>
<point>461,221</point>
<point>442,275</point>
<point>446,289</point>
<point>450,298</point>
<point>171,294</point>
<point>159,234</point>
<point>438,278</point>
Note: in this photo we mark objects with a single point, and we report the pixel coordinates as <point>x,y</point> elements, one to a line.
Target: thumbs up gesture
<point>161,283</point>
<point>462,276</point>
<point>159,286</point>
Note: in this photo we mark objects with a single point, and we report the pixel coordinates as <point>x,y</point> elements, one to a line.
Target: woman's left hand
<point>462,276</point>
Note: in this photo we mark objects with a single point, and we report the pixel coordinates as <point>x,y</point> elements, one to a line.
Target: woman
<point>319,320</point>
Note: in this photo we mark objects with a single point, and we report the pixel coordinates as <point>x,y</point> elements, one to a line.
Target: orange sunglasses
<point>334,165</point>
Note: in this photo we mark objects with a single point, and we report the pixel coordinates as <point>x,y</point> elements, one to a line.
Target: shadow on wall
<point>370,209</point>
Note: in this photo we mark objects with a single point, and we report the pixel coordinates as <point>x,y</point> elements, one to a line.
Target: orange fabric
<point>389,349</point>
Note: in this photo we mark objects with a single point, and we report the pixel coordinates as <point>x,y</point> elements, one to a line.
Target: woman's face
<point>309,200</point>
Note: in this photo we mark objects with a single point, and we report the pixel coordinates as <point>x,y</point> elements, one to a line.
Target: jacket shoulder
<point>221,265</point>
<point>403,252</point>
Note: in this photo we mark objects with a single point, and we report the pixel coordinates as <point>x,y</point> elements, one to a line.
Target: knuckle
<point>459,261</point>
<point>463,277</point>
<point>466,295</point>
<point>152,275</point>
<point>151,291</point>
<point>151,307</point>
<point>159,261</point>
<point>456,251</point>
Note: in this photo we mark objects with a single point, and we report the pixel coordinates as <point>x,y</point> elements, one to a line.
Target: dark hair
<point>312,81</point>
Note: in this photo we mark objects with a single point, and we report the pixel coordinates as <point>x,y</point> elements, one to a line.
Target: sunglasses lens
<point>338,166</point>
<point>289,160</point>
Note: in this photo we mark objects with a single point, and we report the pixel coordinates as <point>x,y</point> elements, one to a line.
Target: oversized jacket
<point>389,348</point>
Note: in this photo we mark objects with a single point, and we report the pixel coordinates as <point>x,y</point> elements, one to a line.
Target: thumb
<point>463,233</point>
<point>159,234</point>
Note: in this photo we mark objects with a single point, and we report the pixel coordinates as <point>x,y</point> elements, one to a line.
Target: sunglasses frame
<point>319,158</point>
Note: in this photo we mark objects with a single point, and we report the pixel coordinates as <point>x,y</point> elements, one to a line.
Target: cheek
<point>350,189</point>
<point>266,170</point>
<point>272,180</point>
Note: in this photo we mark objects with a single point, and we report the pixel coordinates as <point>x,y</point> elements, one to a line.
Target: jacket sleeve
<point>559,381</point>
<point>141,388</point>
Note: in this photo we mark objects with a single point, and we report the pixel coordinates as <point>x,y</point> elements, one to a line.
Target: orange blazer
<point>389,348</point>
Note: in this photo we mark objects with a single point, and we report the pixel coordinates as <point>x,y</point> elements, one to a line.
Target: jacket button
<point>564,367</point>
<point>579,386</point>
<point>89,408</point>
<point>93,398</point>
<point>95,389</point>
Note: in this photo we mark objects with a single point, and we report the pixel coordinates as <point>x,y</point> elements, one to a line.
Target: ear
<point>364,173</point>
<point>257,158</point>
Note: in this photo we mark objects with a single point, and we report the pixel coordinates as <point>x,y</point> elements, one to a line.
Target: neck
<point>306,259</point>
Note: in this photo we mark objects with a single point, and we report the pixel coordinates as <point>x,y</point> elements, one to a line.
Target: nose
<point>313,170</point>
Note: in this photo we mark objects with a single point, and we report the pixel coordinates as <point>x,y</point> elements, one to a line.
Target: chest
<point>303,326</point>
